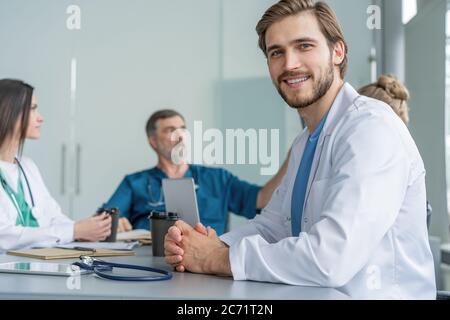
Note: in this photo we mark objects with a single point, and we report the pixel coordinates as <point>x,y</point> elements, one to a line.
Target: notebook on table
<point>133,235</point>
<point>58,253</point>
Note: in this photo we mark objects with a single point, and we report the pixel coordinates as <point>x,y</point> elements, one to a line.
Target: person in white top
<point>350,212</point>
<point>29,216</point>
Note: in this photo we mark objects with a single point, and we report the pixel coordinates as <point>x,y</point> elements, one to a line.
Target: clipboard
<point>58,253</point>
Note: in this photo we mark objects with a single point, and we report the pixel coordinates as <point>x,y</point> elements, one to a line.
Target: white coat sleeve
<point>270,224</point>
<point>18,237</point>
<point>363,195</point>
<point>58,228</point>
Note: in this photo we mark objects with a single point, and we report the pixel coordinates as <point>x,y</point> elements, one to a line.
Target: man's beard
<point>179,149</point>
<point>165,152</point>
<point>319,90</point>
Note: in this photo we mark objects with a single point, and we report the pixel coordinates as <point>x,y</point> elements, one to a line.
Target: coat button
<point>306,220</point>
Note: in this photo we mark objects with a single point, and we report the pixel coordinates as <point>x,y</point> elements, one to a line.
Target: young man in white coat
<point>351,210</point>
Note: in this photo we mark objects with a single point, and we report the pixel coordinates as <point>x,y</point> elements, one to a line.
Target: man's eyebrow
<point>174,128</point>
<point>273,47</point>
<point>296,41</point>
<point>306,39</point>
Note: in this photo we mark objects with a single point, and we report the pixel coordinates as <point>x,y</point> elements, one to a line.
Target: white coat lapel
<point>346,97</point>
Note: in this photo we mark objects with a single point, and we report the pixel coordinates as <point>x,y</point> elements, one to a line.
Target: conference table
<point>183,286</point>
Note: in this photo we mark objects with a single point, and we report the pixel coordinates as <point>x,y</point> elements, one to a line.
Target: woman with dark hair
<point>29,216</point>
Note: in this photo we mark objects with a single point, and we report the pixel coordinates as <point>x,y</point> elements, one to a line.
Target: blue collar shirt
<point>218,193</point>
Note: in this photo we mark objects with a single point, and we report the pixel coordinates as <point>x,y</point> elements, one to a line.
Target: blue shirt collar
<point>156,172</point>
<point>316,133</point>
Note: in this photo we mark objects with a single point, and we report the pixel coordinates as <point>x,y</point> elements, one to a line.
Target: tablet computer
<point>180,197</point>
<point>42,268</point>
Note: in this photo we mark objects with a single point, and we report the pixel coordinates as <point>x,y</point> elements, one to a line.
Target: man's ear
<point>339,53</point>
<point>152,142</point>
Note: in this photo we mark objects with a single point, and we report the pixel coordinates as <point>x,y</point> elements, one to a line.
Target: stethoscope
<point>7,189</point>
<point>152,202</point>
<point>99,267</point>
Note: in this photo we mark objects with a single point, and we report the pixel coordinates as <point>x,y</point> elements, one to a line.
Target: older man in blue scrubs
<point>218,191</point>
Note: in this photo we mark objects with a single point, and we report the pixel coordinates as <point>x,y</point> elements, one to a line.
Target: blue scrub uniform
<point>218,192</point>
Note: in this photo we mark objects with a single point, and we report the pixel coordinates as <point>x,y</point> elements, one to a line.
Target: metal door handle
<point>63,169</point>
<point>78,171</point>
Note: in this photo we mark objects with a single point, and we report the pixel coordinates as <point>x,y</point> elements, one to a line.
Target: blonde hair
<point>326,18</point>
<point>391,91</point>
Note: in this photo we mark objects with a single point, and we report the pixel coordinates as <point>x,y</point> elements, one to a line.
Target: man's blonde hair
<point>328,23</point>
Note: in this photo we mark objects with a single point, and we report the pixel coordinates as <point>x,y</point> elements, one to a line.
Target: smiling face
<point>34,122</point>
<point>301,64</point>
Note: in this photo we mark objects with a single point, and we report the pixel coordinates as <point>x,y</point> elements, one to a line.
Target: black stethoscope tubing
<point>26,181</point>
<point>99,266</point>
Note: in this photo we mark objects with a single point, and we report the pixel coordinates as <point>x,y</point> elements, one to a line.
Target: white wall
<point>352,15</point>
<point>137,56</point>
<point>134,57</point>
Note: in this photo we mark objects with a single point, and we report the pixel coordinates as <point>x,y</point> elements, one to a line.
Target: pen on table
<point>84,249</point>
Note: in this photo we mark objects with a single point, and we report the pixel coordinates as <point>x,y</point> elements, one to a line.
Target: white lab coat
<point>364,225</point>
<point>54,227</point>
